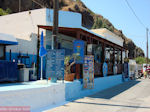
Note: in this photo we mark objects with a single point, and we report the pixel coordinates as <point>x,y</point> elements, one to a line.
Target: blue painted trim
<point>32,58</point>
<point>8,42</point>
<point>29,62</point>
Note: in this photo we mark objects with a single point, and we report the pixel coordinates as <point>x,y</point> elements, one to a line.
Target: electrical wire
<point>38,3</point>
<point>135,14</point>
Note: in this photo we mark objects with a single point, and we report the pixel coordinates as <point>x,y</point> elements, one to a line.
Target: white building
<point>24,26</point>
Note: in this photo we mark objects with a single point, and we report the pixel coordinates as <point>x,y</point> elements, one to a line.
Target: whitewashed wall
<point>108,35</point>
<point>35,96</point>
<point>23,26</point>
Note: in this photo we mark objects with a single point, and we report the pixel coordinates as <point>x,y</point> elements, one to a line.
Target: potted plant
<point>68,75</point>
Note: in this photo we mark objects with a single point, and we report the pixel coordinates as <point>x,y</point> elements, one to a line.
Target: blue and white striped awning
<point>8,39</point>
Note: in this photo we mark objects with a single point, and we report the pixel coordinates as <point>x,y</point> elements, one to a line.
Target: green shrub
<point>97,24</point>
<point>140,60</point>
<point>8,11</point>
<point>5,12</point>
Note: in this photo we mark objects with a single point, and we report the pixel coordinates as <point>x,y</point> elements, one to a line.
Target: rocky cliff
<point>90,19</point>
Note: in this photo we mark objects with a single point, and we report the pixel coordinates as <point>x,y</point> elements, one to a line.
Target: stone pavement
<point>132,96</point>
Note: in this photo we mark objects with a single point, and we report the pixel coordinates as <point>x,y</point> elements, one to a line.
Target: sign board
<point>78,47</point>
<point>88,72</point>
<point>55,63</point>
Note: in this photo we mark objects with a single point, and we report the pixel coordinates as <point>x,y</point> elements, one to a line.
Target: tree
<point>140,60</point>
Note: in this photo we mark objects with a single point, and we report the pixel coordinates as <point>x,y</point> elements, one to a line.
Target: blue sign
<point>105,69</point>
<point>42,51</point>
<point>78,47</point>
<point>55,63</point>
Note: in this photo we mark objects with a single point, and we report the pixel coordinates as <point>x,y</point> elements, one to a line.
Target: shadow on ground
<point>111,92</point>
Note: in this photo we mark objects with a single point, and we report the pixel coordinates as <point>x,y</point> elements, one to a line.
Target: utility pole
<point>55,24</point>
<point>19,5</point>
<point>147,44</point>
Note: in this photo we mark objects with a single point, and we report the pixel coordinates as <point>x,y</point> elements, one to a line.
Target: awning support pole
<point>41,68</point>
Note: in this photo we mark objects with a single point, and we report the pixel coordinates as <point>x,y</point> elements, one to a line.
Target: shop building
<point>27,26</point>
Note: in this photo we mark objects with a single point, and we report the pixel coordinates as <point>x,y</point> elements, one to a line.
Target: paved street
<point>132,96</point>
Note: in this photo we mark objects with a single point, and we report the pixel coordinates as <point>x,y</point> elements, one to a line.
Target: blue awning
<point>7,39</point>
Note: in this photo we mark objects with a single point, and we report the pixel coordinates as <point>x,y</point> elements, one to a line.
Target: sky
<point>121,16</point>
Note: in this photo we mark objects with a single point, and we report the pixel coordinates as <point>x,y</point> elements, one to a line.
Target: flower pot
<point>69,77</point>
